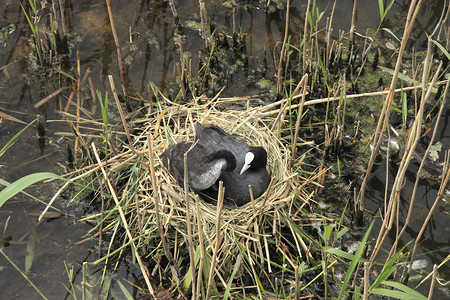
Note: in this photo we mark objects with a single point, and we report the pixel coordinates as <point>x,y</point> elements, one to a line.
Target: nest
<point>176,123</point>
<point>164,220</point>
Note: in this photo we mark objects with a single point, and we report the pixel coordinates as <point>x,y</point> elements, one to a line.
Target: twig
<point>69,101</point>
<point>58,91</point>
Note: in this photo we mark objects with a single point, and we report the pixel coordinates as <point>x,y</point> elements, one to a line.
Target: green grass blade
<point>381,8</point>
<point>341,233</point>
<point>6,224</point>
<point>355,261</point>
<point>346,255</point>
<point>388,8</point>
<point>125,291</point>
<point>411,293</point>
<point>404,107</point>
<point>446,53</point>
<point>391,266</point>
<point>6,183</point>
<point>13,140</point>
<point>230,280</point>
<point>32,26</point>
<point>24,182</point>
<point>391,33</point>
<point>383,12</point>
<point>389,293</point>
<point>402,292</point>
<point>106,286</point>
<point>23,274</point>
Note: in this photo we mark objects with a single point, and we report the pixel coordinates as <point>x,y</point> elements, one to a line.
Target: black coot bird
<point>250,166</point>
<point>217,148</point>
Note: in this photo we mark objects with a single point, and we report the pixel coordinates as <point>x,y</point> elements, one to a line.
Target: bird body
<point>236,184</point>
<point>218,156</point>
<point>204,164</point>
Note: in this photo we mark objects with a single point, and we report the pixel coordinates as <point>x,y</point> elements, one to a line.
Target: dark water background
<point>150,54</point>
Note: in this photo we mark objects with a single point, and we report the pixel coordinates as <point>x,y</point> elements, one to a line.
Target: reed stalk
<point>218,239</point>
<point>117,44</point>
<point>419,171</point>
<point>303,83</point>
<point>442,190</point>
<point>119,107</point>
<point>156,197</point>
<point>202,247</point>
<point>305,37</point>
<point>385,112</point>
<point>352,36</point>
<point>83,282</point>
<point>283,50</point>
<point>190,244</point>
<point>433,282</point>
<point>182,75</point>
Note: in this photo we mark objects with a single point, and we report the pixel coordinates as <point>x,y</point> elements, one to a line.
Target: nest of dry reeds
<point>178,210</point>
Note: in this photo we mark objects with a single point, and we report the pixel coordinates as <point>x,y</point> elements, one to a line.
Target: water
<point>150,52</point>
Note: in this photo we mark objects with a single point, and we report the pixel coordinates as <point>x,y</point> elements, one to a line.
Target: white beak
<point>244,168</point>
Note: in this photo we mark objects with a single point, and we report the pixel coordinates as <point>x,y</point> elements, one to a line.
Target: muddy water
<point>150,53</point>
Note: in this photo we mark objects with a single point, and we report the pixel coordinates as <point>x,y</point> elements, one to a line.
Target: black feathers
<point>217,156</point>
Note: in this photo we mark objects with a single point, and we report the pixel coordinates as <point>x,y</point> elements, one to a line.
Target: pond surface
<point>150,52</point>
